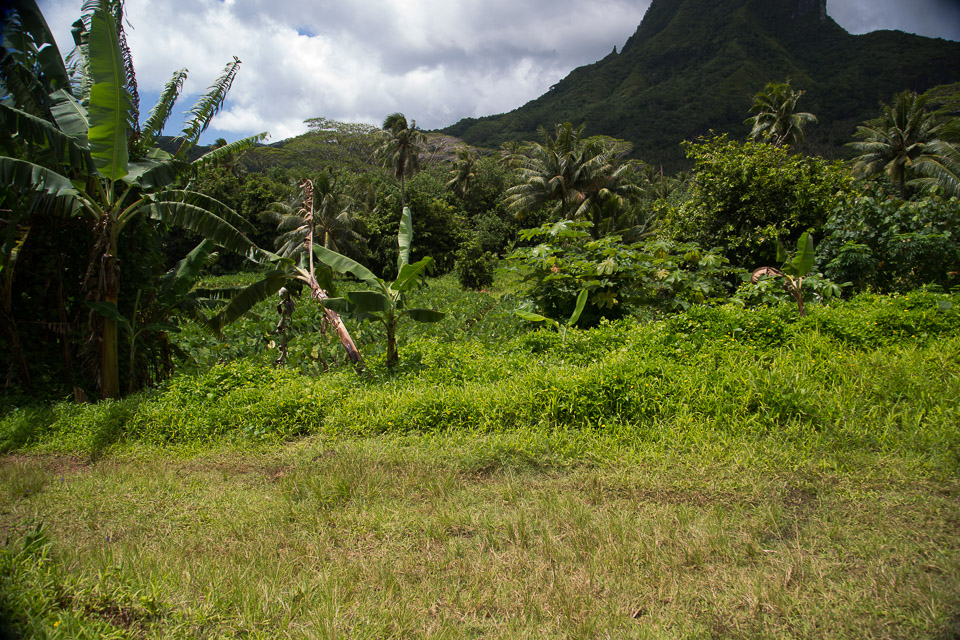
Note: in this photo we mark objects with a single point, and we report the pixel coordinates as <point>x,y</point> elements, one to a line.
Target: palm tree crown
<point>400,151</point>
<point>330,220</point>
<point>776,117</point>
<point>463,173</point>
<point>905,135</point>
<point>579,175</point>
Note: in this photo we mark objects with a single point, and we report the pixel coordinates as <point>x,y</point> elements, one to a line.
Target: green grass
<point>722,473</point>
<point>456,536</point>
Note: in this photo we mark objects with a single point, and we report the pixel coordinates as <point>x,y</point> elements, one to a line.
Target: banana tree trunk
<point>20,362</point>
<point>793,286</point>
<point>109,352</point>
<point>319,295</point>
<point>392,357</point>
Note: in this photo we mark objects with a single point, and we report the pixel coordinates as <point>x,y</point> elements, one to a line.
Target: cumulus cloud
<point>437,61</point>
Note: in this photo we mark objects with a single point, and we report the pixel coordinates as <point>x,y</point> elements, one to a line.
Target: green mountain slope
<point>694,65</point>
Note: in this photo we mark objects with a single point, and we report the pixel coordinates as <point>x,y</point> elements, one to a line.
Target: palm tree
<point>83,157</point>
<point>330,219</point>
<point>940,168</point>
<point>900,140</point>
<point>462,173</point>
<point>578,175</point>
<point>401,148</point>
<point>777,119</point>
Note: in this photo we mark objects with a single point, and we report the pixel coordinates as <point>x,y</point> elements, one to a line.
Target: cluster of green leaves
<point>702,379</point>
<point>74,148</point>
<point>887,244</point>
<point>659,274</point>
<point>747,196</point>
<point>474,266</point>
<point>796,272</point>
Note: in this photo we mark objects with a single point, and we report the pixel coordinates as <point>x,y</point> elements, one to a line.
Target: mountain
<point>695,65</point>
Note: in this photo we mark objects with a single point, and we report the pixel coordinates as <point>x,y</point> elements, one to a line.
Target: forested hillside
<point>694,65</point>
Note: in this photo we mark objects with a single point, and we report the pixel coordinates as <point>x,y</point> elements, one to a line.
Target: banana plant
<point>794,269</point>
<point>560,328</point>
<point>383,302</point>
<point>295,262</point>
<point>91,159</point>
<point>174,296</point>
<point>13,235</point>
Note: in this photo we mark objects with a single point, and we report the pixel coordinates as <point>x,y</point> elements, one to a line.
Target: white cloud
<point>435,60</point>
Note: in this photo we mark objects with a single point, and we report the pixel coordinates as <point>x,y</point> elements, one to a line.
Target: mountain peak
<point>668,20</point>
<point>693,66</point>
<point>805,7</point>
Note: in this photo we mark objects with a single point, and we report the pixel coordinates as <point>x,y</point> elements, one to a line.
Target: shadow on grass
<point>24,426</point>
<point>101,425</point>
<point>109,427</point>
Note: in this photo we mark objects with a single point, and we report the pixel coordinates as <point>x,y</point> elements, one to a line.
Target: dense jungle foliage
<point>568,212</point>
<point>376,382</point>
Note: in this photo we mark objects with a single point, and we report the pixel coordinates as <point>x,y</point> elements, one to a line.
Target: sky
<point>436,61</point>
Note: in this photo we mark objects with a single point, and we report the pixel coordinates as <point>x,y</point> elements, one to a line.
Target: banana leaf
<point>70,117</point>
<point>249,297</point>
<point>410,274</point>
<point>369,302</point>
<point>404,238</point>
<point>342,264</point>
<point>425,315</point>
<point>110,103</point>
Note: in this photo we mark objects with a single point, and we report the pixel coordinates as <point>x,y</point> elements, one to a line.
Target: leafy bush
<point>893,245</point>
<point>747,195</point>
<point>620,277</point>
<point>233,400</point>
<point>495,231</point>
<point>474,266</point>
<point>769,291</point>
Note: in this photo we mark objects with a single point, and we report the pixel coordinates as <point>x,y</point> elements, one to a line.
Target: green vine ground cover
<point>725,472</point>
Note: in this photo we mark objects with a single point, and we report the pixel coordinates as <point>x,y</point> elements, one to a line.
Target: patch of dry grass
<point>375,538</point>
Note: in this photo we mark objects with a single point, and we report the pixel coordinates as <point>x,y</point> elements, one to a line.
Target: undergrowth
<point>876,374</point>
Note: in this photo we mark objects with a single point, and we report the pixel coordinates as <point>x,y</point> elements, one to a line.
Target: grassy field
<point>724,473</point>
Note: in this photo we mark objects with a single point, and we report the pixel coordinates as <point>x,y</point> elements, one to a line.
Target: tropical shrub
<point>817,289</point>
<point>889,244</point>
<point>474,266</point>
<point>494,230</point>
<point>661,274</point>
<point>796,272</point>
<point>748,195</point>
